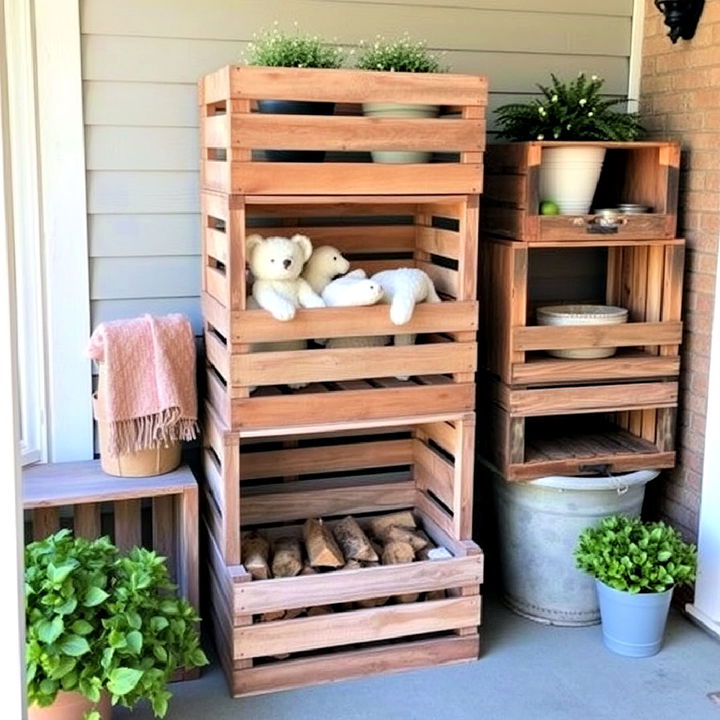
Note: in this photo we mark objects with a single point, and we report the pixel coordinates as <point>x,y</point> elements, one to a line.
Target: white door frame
<point>706,607</point>
<point>61,135</point>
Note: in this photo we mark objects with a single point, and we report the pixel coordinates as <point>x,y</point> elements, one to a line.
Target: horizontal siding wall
<point>141,61</point>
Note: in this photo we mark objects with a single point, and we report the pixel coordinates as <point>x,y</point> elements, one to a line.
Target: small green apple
<point>548,207</point>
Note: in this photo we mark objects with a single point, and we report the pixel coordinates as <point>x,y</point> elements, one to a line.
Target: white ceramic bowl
<point>581,315</point>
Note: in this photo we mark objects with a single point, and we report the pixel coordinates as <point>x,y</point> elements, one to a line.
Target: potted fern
<point>636,566</point>
<point>102,628</point>
<point>403,56</point>
<point>576,114</point>
<point>277,48</point>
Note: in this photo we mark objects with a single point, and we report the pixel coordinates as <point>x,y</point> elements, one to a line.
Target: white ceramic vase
<point>569,176</point>
<point>582,315</point>
<point>399,110</point>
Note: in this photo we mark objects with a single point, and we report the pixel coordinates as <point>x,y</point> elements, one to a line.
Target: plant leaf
<point>82,627</point>
<point>50,631</point>
<point>74,645</point>
<point>134,640</point>
<point>123,680</point>
<point>94,596</point>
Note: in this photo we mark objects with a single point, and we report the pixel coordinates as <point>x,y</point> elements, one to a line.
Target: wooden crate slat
<point>589,398</point>
<point>537,337</point>
<point>329,588</point>
<point>127,524</point>
<point>86,520</point>
<point>45,522</point>
<point>369,625</point>
<point>325,459</point>
<point>258,326</point>
<point>355,86</point>
<point>354,664</point>
<point>328,132</point>
<point>315,498</point>
<point>164,532</point>
<point>443,434</point>
<point>297,366</point>
<point>330,178</point>
<point>433,472</point>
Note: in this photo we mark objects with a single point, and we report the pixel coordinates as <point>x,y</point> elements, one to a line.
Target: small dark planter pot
<point>295,107</point>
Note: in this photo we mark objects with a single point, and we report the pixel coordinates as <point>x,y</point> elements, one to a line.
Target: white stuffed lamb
<point>352,290</point>
<point>404,288</point>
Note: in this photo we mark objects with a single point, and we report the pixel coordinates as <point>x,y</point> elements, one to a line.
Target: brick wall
<point>680,99</point>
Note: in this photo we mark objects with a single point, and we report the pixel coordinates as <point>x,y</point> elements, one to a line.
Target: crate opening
<point>592,437</point>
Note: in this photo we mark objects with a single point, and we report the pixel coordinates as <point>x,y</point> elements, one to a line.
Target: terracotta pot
<point>70,706</point>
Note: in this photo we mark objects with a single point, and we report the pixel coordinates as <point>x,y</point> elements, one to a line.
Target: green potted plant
<point>636,566</point>
<point>572,112</point>
<point>102,628</point>
<point>404,56</point>
<point>277,48</point>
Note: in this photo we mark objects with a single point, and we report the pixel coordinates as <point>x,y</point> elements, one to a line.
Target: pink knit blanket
<point>149,396</point>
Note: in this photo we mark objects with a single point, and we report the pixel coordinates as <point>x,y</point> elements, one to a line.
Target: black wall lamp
<point>681,16</point>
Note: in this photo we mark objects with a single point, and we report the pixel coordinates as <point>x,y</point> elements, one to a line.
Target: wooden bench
<point>101,504</point>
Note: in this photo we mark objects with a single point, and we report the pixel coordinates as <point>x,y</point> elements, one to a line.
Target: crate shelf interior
<point>584,429</point>
<point>363,472</point>
<point>234,135</point>
<point>437,234</point>
<point>643,276</point>
<point>425,464</point>
<point>643,173</point>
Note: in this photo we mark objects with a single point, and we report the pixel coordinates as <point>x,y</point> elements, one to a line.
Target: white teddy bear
<point>325,263</point>
<point>276,264</point>
<point>404,288</point>
<point>352,290</point>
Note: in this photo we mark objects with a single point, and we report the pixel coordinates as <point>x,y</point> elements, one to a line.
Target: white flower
<point>593,77</point>
<point>556,135</point>
<point>540,137</point>
<point>541,112</point>
<point>590,114</point>
<point>554,98</point>
<point>582,102</point>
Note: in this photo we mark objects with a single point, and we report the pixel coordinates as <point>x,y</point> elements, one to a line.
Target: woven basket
<point>582,315</point>
<point>144,463</point>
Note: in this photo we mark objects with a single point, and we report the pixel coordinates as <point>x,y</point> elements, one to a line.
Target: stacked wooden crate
<point>354,440</point>
<point>573,416</point>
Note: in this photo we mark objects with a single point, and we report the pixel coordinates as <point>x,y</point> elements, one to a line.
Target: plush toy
<point>404,288</point>
<point>325,263</point>
<point>276,264</point>
<point>352,290</point>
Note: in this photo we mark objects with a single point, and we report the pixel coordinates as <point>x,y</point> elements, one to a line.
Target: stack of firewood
<point>344,545</point>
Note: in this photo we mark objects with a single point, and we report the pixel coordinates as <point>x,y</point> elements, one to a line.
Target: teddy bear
<point>325,263</point>
<point>276,264</point>
<point>352,290</point>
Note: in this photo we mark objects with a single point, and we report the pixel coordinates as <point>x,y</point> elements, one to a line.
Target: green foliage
<point>568,111</point>
<point>403,55</point>
<point>100,620</point>
<point>635,556</point>
<point>276,48</point>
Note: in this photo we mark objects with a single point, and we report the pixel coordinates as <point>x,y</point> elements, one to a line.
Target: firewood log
<point>404,518</point>
<point>435,595</point>
<point>294,613</point>
<point>322,550</point>
<point>255,552</point>
<point>352,565</point>
<point>406,535</point>
<point>353,541</point>
<point>319,610</point>
<point>395,553</point>
<point>287,557</point>
<point>274,615</point>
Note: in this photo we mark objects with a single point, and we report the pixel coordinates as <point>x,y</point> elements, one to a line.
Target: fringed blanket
<point>147,390</point>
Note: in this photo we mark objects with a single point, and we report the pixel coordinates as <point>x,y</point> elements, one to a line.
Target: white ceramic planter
<point>398,110</point>
<point>569,176</point>
<point>582,315</point>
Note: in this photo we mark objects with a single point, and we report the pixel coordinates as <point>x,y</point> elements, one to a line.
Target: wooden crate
<point>437,234</point>
<point>81,490</point>
<point>350,642</point>
<point>645,276</point>
<point>580,430</point>
<point>644,173</point>
<point>233,133</point>
<point>425,462</point>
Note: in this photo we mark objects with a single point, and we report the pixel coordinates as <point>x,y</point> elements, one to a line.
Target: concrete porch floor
<point>527,670</point>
